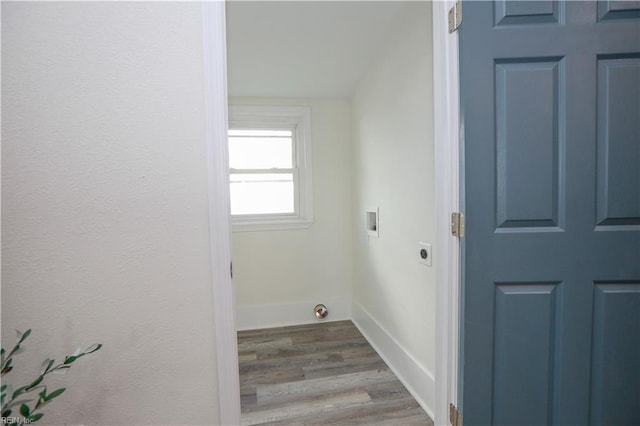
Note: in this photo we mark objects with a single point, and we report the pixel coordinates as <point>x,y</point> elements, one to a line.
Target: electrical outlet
<point>424,253</point>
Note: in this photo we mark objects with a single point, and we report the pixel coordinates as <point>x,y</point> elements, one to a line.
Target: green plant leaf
<point>61,369</point>
<point>2,353</point>
<point>18,392</point>
<point>34,418</point>
<point>23,336</point>
<point>3,388</point>
<point>40,400</point>
<point>35,383</point>
<point>46,365</point>
<point>6,413</point>
<point>91,349</point>
<point>71,358</point>
<point>9,389</point>
<point>54,394</point>
<point>6,366</point>
<point>24,410</point>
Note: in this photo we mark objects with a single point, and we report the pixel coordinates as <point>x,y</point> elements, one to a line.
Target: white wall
<point>104,205</point>
<point>393,150</point>
<point>279,276</point>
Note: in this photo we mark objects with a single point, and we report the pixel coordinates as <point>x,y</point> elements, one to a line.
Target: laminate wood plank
<point>388,391</point>
<point>314,407</point>
<point>400,412</point>
<point>308,349</point>
<point>333,334</point>
<point>304,360</point>
<point>412,417</point>
<point>246,356</point>
<point>353,365</point>
<point>367,413</point>
<point>303,399</point>
<point>291,390</point>
<point>256,345</point>
<point>248,396</point>
<point>273,376</point>
<point>357,352</point>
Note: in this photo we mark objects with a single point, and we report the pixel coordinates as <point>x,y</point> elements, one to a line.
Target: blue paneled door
<point>551,257</point>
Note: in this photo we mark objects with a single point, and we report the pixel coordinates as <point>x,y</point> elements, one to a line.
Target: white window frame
<point>298,119</point>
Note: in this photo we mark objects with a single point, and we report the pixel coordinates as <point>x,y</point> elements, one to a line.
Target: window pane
<point>262,193</point>
<point>260,149</point>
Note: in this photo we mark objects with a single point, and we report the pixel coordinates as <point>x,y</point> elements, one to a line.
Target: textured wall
<point>307,266</point>
<point>104,207</point>
<point>393,152</point>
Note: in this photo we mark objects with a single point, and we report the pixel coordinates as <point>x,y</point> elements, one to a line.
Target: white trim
<point>299,118</point>
<point>415,377</point>
<point>271,225</point>
<point>253,317</point>
<point>215,67</point>
<point>447,200</point>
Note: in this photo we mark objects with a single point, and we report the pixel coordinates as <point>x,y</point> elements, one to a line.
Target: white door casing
<point>215,67</point>
<point>447,200</point>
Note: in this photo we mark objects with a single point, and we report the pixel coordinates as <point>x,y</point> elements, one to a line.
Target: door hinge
<point>454,415</point>
<point>455,16</point>
<point>457,225</point>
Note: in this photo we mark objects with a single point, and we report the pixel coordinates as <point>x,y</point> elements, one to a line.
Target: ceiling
<point>310,49</point>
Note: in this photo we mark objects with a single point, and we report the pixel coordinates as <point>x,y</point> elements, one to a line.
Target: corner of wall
<point>393,169</point>
<point>419,381</point>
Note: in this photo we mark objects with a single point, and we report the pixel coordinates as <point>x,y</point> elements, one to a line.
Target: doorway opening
<point>364,70</point>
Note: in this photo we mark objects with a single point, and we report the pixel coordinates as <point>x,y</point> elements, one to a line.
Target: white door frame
<point>215,70</point>
<point>447,200</point>
<point>446,111</point>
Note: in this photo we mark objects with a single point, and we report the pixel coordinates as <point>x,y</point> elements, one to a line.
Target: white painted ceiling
<point>313,49</point>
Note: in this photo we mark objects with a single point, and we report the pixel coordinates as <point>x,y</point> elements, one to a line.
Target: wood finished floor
<point>320,374</point>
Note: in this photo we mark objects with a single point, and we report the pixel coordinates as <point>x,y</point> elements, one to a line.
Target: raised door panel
<point>618,141</point>
<point>527,12</point>
<point>612,9</point>
<point>529,115</point>
<point>526,333</point>
<point>615,369</point>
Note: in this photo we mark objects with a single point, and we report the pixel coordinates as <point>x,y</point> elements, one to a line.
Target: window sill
<point>271,225</point>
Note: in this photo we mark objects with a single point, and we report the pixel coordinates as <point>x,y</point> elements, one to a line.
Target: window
<point>270,167</point>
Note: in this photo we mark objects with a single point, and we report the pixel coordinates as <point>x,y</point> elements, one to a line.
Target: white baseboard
<point>417,379</point>
<point>252,317</point>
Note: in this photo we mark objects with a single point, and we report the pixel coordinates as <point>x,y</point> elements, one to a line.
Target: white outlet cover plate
<point>427,247</point>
